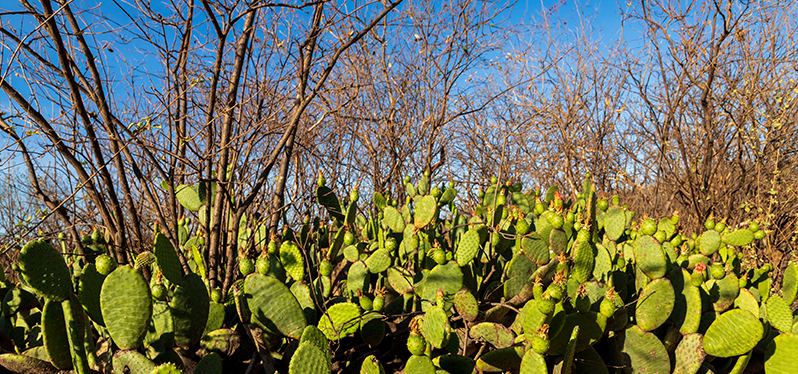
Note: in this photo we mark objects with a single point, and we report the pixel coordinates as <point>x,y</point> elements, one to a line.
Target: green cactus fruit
<point>349,238</point>
<point>648,226</point>
<point>105,264</point>
<point>89,286</point>
<point>504,359</point>
<point>591,328</point>
<point>650,257</point>
<point>517,273</point>
<point>54,332</point>
<point>709,242</point>
<point>158,291</point>
<point>467,247</point>
<point>687,306</point>
<point>699,274</point>
<point>133,362</point>
<point>494,333</point>
<point>643,351</point>
<point>246,266</point>
<point>533,363</point>
<point>379,302</point>
<point>435,327</point>
<point>273,306</point>
<point>372,329</point>
<point>466,304</point>
<point>190,305</point>
<point>582,302</point>
<point>44,269</point>
<point>689,354</point>
<point>394,220</point>
<point>167,260</point>
<point>447,278</point>
<point>263,265</point>
<point>540,342</point>
<point>425,211</point>
<point>717,271</point>
<point>292,261</point>
<point>340,321</point>
<point>607,307</point>
<point>760,234</point>
<point>365,303</point>
<point>739,238</point>
<point>310,359</point>
<point>416,344</point>
<point>789,285</point>
<point>419,364</point>
<point>780,354</point>
<point>655,304</point>
<point>357,279</point>
<point>167,368</point>
<point>734,333</point>
<point>779,313</point>
<point>371,366</point>
<point>126,305</point>
<point>660,236</point>
<point>380,260</point>
<point>325,268</point>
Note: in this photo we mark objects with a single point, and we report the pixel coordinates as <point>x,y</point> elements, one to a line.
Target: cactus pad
<point>327,197</point>
<point>687,304</point>
<point>419,365</point>
<point>467,247</point>
<point>447,278</point>
<point>689,354</point>
<point>54,330</point>
<point>167,260</point>
<point>517,272</point>
<point>537,249</point>
<point>780,354</point>
<point>733,333</point>
<point>739,238</point>
<point>274,306</point>
<point>650,256</point>
<point>190,306</point>
<point>379,261</point>
<point>126,306</point>
<point>357,279</point>
<point>435,326</point>
<point>393,219</point>
<point>533,363</point>
<point>466,304</point>
<point>709,242</point>
<point>132,362</point>
<point>372,329</point>
<point>779,313</point>
<point>591,328</point>
<point>643,352</point>
<point>45,270</point>
<point>425,211</point>
<point>583,261</point>
<point>504,359</point>
<point>167,368</point>
<point>371,366</point>
<point>400,280</point>
<point>494,333</point>
<point>614,222</point>
<point>292,261</point>
<point>655,304</point>
<point>789,285</point>
<point>309,359</point>
<point>89,287</point>
<point>340,320</point>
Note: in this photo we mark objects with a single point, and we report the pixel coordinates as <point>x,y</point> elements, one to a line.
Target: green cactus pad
<point>394,220</point>
<point>357,278</point>
<point>516,274</point>
<point>55,335</point>
<point>533,363</point>
<point>76,321</point>
<point>89,287</point>
<point>494,333</point>
<point>781,353</point>
<point>190,306</point>
<point>590,362</point>
<point>340,320</point>
<point>466,304</point>
<point>614,222</point>
<point>558,241</point>
<point>425,211</point>
<point>224,341</point>
<point>536,248</point>
<point>274,306</point>
<point>449,195</point>
<point>167,260</point>
<point>327,197</point>
<point>734,333</point>
<point>435,326</point>
<point>379,261</point>
<point>650,256</point>
<point>746,301</point>
<point>448,278</point>
<point>129,361</point>
<point>314,335</point>
<point>372,329</point>
<point>583,261</point>
<point>338,241</point>
<point>689,354</point>
<point>371,366</point>
<point>789,285</point>
<point>709,242</point>
<point>467,248</point>
<point>419,365</point>
<point>24,364</point>
<point>292,261</point>
<point>351,253</point>
<point>309,359</point>
<point>216,316</point>
<point>568,356</point>
<point>143,259</point>
<point>779,313</point>
<point>722,292</point>
<point>45,270</point>
<point>501,360</point>
<point>400,280</point>
<point>188,197</point>
<point>655,304</point>
<point>739,238</point>
<point>603,264</point>
<point>687,305</point>
<point>643,352</point>
<point>167,368</point>
<point>126,306</point>
<point>591,328</point>
<point>455,363</point>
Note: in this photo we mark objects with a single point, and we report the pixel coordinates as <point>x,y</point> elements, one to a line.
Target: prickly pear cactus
<point>167,260</point>
<point>45,270</point>
<point>340,320</point>
<point>734,333</point>
<point>273,306</point>
<point>309,359</point>
<point>126,306</point>
<point>190,306</point>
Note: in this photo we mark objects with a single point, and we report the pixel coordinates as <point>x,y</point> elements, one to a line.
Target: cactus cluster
<point>526,282</point>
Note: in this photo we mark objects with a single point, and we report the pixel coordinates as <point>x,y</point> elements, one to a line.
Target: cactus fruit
<point>44,269</point>
<point>105,264</point>
<point>416,343</point>
<point>273,306</point>
<point>246,266</point>
<point>190,305</point>
<point>734,333</point>
<point>540,342</point>
<point>263,265</point>
<point>126,305</point>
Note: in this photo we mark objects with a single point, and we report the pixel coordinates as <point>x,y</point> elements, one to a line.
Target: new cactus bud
<point>439,256</point>
<point>717,271</point>
<point>349,238</point>
<point>246,266</point>
<point>216,295</point>
<point>379,300</point>
<point>607,306</point>
<point>262,264</point>
<point>416,343</point>
<point>354,196</point>
<point>158,291</point>
<point>582,301</point>
<point>709,224</point>
<point>321,181</point>
<point>556,221</point>
<point>537,288</point>
<point>545,304</point>
<point>720,226</point>
<point>753,227</point>
<point>325,268</point>
<point>365,302</point>
<point>602,205</point>
<point>439,298</point>
<point>540,340</point>
<point>648,227</point>
<point>699,274</point>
